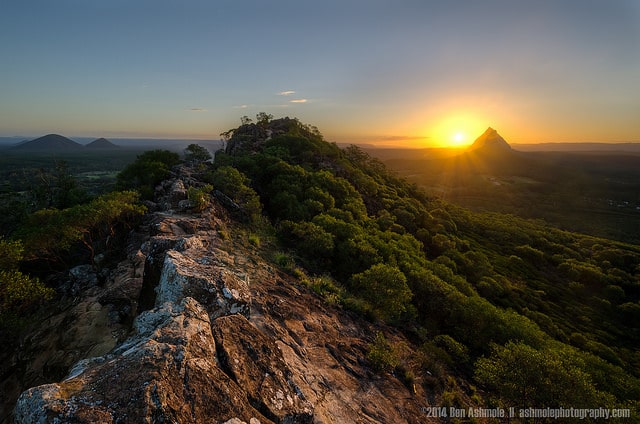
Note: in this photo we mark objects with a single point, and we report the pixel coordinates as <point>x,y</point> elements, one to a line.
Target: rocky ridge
<point>195,326</point>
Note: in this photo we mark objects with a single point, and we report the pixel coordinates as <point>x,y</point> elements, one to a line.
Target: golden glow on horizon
<point>457,130</point>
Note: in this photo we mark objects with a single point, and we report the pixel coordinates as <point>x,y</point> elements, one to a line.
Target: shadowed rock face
<point>222,337</point>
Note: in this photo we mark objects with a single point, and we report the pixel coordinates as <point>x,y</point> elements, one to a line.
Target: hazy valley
<point>583,187</point>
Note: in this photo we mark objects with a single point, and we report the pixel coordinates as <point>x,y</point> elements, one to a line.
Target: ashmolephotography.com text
<point>580,413</point>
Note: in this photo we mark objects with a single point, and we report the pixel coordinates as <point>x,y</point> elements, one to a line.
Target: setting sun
<point>457,130</point>
<point>458,138</point>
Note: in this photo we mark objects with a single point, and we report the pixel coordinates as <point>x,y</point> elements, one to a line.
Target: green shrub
<point>199,197</point>
<point>234,184</point>
<point>359,306</point>
<point>11,253</point>
<point>196,153</point>
<point>18,292</point>
<point>284,260</point>
<point>382,355</point>
<point>457,351</point>
<point>148,170</point>
<point>310,239</point>
<point>51,234</point>
<point>385,288</point>
<point>254,239</point>
<point>522,376</point>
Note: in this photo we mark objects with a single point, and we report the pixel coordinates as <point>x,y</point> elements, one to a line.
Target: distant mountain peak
<point>101,143</point>
<point>50,142</point>
<point>490,139</point>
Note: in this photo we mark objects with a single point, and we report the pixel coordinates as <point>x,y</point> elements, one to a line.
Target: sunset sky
<point>412,72</point>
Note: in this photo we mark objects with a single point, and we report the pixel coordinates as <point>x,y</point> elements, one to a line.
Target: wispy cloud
<point>286,93</point>
<point>197,109</point>
<point>241,107</point>
<point>298,101</point>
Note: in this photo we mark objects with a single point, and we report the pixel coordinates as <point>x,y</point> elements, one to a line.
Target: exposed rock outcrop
<point>219,336</point>
<point>165,372</point>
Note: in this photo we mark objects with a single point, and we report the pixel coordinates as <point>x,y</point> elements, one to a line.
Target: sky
<point>397,72</point>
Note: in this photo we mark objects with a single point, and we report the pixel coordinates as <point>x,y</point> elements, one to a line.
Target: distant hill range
<point>59,143</point>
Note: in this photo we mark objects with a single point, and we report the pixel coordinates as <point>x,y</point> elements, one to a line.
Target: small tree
<point>382,355</point>
<point>263,118</point>
<point>196,153</point>
<point>149,169</point>
<point>385,288</point>
<point>199,197</point>
<point>233,183</point>
<point>56,188</point>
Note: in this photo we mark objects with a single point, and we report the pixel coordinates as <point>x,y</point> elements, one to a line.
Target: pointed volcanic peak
<point>490,140</point>
<point>102,144</point>
<point>50,142</point>
<point>491,154</point>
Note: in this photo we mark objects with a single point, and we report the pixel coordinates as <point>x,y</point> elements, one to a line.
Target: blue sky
<point>405,71</point>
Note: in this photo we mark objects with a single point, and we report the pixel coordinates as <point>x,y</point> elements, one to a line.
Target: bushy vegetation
<point>233,184</point>
<point>382,355</point>
<point>19,293</point>
<point>199,197</point>
<point>149,169</point>
<point>50,187</point>
<point>50,239</point>
<point>30,181</point>
<point>196,153</point>
<point>50,235</point>
<point>51,220</point>
<point>484,291</point>
<point>522,376</point>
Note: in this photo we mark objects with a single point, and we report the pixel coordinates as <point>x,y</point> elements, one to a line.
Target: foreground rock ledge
<point>166,372</point>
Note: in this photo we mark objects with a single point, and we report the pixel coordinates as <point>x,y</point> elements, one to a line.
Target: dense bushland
<point>502,289</point>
